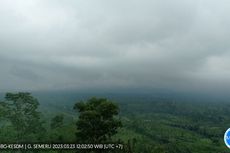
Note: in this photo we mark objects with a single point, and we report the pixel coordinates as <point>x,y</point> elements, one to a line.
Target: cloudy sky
<point>95,44</point>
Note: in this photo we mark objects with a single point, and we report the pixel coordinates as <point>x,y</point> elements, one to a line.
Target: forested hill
<point>152,123</point>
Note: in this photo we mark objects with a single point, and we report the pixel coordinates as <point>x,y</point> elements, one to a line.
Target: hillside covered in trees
<point>141,125</point>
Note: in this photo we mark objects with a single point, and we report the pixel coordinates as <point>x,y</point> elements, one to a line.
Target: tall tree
<point>56,125</point>
<point>21,110</point>
<point>97,121</point>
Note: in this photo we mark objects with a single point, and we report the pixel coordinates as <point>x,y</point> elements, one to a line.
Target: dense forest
<point>141,125</point>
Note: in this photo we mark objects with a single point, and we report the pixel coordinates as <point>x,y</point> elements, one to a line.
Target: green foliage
<point>57,121</point>
<point>179,127</point>
<point>149,125</point>
<point>20,110</point>
<point>97,122</point>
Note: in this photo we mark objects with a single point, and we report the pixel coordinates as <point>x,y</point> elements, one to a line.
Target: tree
<point>21,110</point>
<point>57,121</point>
<point>56,125</point>
<point>97,121</point>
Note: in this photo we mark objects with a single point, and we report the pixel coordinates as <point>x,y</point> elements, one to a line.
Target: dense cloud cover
<point>90,44</point>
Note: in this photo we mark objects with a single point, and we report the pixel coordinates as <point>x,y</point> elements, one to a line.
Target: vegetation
<point>96,123</point>
<point>20,110</point>
<point>149,125</point>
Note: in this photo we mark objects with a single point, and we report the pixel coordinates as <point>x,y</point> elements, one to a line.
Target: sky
<point>99,44</point>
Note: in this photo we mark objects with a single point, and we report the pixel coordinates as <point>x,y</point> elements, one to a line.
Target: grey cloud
<point>177,45</point>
